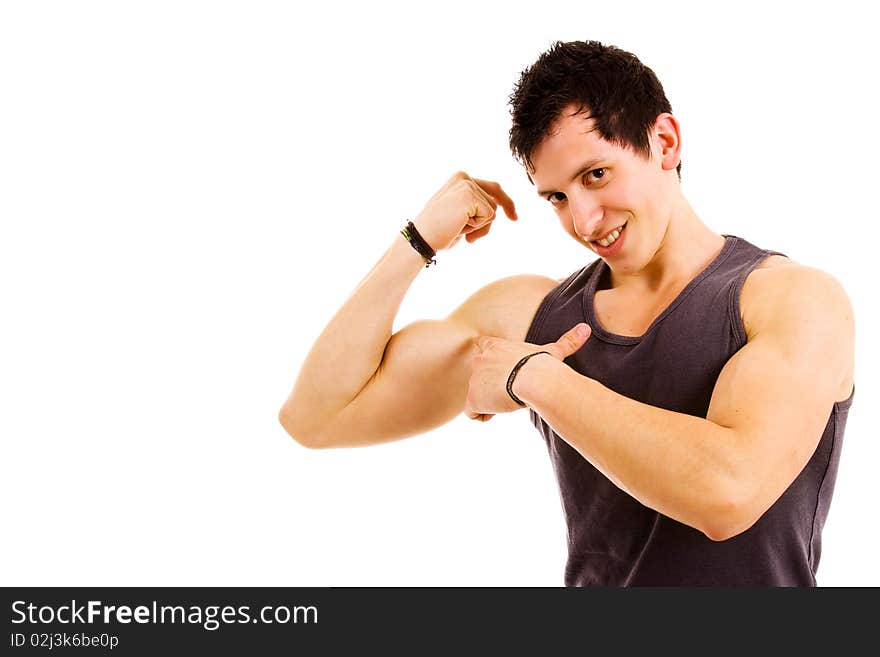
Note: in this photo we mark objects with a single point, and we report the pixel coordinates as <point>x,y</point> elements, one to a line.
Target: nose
<point>586,215</point>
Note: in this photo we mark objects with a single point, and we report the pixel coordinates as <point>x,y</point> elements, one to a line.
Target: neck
<point>685,248</point>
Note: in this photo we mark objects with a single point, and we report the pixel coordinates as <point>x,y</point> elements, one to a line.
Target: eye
<point>591,176</point>
<point>598,173</point>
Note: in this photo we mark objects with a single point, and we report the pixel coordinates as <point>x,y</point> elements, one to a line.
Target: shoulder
<point>505,308</point>
<point>801,308</point>
<point>804,314</point>
<point>780,289</point>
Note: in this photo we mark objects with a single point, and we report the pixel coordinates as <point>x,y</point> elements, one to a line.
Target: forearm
<point>677,464</point>
<point>349,350</point>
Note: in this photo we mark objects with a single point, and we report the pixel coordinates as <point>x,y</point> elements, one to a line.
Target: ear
<point>666,141</point>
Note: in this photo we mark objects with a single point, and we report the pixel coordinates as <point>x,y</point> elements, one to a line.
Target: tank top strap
<point>752,256</point>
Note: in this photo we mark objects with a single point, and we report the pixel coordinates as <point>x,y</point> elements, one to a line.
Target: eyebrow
<point>586,167</point>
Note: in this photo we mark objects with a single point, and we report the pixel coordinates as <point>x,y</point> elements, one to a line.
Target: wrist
<point>535,379</point>
<point>404,251</point>
<point>429,233</point>
<point>420,245</point>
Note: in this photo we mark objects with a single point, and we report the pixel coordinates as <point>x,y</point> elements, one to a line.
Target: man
<point>692,388</point>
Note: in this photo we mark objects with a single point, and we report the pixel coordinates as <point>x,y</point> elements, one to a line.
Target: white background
<point>188,191</point>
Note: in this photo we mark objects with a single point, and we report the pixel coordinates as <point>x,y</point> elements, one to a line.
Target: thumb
<point>572,340</point>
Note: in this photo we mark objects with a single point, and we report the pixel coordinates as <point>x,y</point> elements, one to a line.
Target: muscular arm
<point>421,379</point>
<point>718,474</point>
<point>343,360</point>
<point>349,378</point>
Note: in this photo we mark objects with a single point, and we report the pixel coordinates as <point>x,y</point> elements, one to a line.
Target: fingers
<point>483,209</point>
<point>482,193</point>
<point>572,340</point>
<point>499,195</point>
<point>478,200</point>
<point>472,235</point>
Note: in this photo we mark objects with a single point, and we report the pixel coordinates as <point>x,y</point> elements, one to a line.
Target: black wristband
<point>513,373</point>
<point>419,244</point>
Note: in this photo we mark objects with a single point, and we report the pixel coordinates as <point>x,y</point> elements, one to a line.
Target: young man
<point>691,387</point>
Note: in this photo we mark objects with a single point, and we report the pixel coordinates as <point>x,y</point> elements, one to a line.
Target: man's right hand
<point>463,207</point>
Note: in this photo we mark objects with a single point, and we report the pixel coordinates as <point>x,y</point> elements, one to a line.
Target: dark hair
<point>621,94</point>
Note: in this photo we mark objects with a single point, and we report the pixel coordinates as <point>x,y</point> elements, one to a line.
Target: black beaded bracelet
<point>419,244</point>
<point>513,373</point>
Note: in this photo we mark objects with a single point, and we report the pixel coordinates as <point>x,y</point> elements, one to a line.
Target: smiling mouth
<point>597,243</point>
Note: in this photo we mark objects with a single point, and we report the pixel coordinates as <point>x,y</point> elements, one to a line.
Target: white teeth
<point>611,237</point>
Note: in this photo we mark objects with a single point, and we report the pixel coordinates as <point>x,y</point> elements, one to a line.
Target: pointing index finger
<point>500,196</point>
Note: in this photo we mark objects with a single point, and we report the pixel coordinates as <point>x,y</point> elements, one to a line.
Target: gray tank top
<point>614,540</point>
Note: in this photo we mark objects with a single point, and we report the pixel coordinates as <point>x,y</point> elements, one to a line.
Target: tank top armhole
<point>734,310</point>
<point>537,324</point>
<point>544,308</point>
<point>841,407</point>
<point>739,330</point>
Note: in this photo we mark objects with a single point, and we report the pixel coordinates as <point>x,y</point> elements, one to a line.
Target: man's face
<point>596,187</point>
